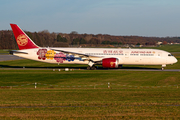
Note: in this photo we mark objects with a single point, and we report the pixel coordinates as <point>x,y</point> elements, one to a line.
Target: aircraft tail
<point>23,41</point>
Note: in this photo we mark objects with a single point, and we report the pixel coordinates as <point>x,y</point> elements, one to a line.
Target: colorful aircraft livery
<point>107,57</point>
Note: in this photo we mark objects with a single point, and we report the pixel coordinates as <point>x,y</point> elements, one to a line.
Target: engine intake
<point>110,62</point>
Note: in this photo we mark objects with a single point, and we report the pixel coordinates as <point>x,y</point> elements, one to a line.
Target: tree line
<point>47,39</point>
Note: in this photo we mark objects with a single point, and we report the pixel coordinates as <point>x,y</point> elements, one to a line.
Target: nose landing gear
<point>163,67</point>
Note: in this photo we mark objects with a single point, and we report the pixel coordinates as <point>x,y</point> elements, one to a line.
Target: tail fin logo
<point>22,40</point>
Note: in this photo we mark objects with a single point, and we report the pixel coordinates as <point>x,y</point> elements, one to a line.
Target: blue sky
<point>159,18</point>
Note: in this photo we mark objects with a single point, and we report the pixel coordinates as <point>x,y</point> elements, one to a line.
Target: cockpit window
<point>170,55</point>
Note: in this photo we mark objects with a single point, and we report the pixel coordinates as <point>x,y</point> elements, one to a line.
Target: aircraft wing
<point>83,56</point>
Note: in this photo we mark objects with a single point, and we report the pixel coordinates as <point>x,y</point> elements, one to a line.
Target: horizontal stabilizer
<point>17,52</point>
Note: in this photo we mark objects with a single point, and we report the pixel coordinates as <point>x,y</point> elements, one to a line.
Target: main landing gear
<point>91,68</point>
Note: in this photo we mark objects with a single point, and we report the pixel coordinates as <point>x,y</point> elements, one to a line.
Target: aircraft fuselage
<point>124,56</point>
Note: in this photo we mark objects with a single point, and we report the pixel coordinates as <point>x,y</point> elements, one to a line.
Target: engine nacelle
<point>110,62</point>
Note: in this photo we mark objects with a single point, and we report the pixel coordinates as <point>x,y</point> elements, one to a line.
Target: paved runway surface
<point>9,57</point>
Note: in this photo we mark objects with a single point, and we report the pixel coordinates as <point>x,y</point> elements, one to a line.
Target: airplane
<point>107,57</point>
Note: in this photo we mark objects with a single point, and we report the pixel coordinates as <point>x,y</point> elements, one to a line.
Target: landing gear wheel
<point>163,67</point>
<point>93,67</point>
<point>88,68</point>
<point>120,66</point>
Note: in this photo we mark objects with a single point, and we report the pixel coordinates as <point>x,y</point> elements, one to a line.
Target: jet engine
<point>110,62</point>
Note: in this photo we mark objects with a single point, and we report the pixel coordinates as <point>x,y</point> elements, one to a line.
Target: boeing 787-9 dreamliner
<point>107,57</point>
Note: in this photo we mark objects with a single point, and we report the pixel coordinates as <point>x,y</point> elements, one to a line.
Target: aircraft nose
<point>175,60</point>
<point>172,60</point>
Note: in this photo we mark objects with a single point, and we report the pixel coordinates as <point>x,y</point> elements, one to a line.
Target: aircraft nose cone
<point>175,60</point>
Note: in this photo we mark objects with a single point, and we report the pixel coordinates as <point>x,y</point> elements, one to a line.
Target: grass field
<point>85,95</point>
<point>4,52</point>
<point>169,48</point>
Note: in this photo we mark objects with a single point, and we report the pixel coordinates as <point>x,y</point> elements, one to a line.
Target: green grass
<point>169,48</point>
<point>133,94</point>
<point>4,51</point>
<point>90,104</point>
<point>17,77</point>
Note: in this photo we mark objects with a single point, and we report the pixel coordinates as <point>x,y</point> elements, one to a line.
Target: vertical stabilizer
<point>23,41</point>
